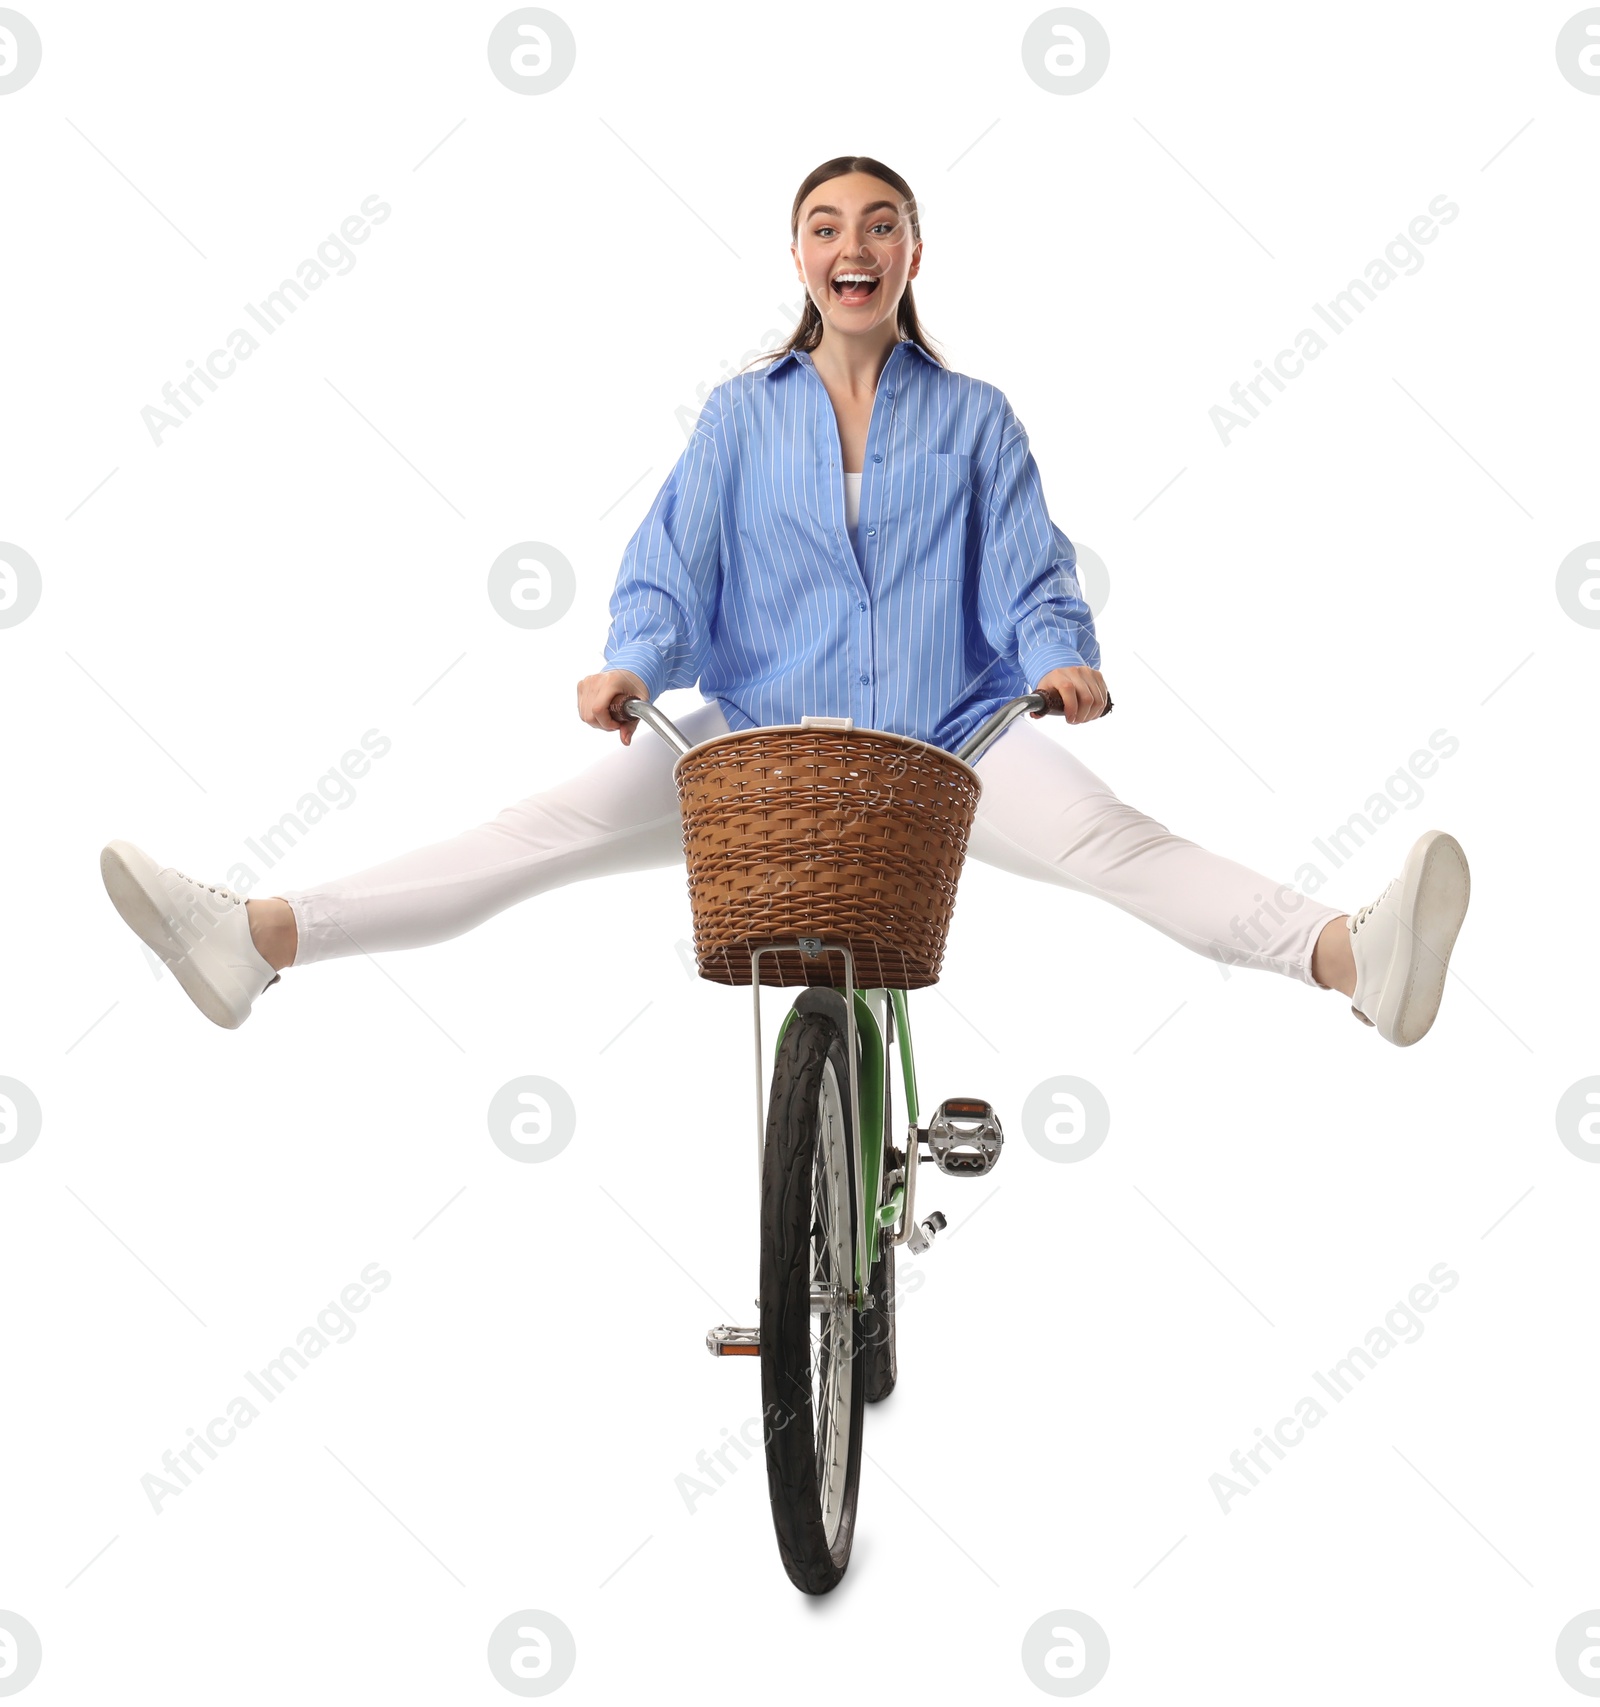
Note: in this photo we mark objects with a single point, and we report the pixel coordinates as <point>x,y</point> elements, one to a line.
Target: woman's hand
<point>1083,692</point>
<point>595,694</point>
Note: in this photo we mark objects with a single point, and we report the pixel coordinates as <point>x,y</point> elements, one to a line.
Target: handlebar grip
<point>1055,706</point>
<point>617,710</point>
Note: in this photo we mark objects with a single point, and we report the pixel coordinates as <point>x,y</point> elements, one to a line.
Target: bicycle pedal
<point>965,1137</point>
<point>725,1341</point>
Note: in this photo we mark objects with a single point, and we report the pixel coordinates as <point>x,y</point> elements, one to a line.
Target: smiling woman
<point>854,531</point>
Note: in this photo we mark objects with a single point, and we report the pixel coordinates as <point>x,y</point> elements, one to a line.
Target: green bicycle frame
<point>875,1134</point>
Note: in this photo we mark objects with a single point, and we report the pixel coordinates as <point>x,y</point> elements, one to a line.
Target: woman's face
<point>856,224</point>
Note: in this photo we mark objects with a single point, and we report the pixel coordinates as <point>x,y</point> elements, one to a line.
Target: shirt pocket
<point>939,508</point>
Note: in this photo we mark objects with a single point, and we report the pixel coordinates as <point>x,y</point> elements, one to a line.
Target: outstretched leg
<point>1044,814</point>
<point>619,814</point>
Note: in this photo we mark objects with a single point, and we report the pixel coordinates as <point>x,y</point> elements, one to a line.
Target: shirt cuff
<point>1057,655</point>
<point>644,660</point>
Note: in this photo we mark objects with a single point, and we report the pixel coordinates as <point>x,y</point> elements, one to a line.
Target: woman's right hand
<point>595,694</point>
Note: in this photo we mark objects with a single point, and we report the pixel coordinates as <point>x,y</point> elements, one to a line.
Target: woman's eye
<point>821,232</point>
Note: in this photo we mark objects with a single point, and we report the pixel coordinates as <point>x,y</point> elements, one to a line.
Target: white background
<point>1288,621</point>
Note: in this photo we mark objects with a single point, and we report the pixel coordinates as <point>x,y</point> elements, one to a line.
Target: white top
<point>852,500</point>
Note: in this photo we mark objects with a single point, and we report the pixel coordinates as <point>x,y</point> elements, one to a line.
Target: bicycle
<point>825,1146</point>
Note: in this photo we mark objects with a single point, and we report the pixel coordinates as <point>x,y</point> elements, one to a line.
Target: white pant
<point>1043,814</point>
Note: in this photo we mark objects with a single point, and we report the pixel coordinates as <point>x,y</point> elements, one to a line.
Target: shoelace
<point>1361,917</point>
<point>227,893</point>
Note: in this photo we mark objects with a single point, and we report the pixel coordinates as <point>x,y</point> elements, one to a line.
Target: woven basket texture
<point>843,834</point>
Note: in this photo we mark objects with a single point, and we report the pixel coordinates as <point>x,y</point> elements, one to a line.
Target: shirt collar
<point>805,356</point>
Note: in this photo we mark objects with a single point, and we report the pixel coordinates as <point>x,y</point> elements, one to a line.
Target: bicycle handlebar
<point>624,708</point>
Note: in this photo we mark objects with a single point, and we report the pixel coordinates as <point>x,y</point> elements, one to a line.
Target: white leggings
<point>1043,814</point>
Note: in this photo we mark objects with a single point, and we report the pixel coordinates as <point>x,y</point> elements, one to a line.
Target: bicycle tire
<point>808,1237</point>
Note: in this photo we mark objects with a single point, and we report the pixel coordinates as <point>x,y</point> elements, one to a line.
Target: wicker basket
<point>843,834</point>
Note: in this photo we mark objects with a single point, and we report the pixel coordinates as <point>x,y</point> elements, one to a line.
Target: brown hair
<point>808,334</point>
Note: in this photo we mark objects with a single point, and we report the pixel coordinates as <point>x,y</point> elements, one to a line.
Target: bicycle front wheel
<point>812,1377</point>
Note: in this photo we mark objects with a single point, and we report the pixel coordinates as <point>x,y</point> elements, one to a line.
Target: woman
<point>854,530</point>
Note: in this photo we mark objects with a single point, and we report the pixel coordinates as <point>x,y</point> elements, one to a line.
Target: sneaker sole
<point>1434,896</point>
<point>131,881</point>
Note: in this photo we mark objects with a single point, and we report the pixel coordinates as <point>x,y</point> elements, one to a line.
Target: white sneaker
<point>200,930</point>
<point>1402,941</point>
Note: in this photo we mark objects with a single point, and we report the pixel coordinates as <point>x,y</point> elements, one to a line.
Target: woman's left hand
<point>1083,692</point>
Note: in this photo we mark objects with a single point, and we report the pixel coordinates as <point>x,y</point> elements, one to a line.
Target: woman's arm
<point>1029,602</point>
<point>667,588</point>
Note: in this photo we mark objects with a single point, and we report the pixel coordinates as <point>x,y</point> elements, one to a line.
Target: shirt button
<point>865,680</point>
<point>877,459</point>
<point>872,533</point>
<point>862,605</point>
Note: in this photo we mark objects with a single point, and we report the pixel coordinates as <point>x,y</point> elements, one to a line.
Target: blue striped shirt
<point>742,577</point>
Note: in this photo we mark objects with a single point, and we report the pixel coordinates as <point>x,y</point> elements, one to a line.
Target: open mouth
<point>852,289</point>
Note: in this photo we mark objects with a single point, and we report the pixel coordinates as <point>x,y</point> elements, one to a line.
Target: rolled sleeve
<point>1029,601</point>
<point>665,599</point>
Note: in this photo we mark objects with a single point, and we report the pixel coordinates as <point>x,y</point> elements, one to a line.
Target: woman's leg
<point>1044,814</point>
<point>621,814</point>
